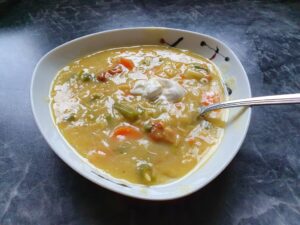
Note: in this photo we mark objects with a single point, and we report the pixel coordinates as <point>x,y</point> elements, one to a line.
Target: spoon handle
<point>264,100</point>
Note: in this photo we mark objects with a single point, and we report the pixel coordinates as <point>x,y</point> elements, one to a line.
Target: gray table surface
<point>260,186</point>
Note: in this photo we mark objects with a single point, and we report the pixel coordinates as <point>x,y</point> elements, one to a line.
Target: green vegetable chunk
<point>147,127</point>
<point>200,67</point>
<point>110,120</point>
<point>85,77</point>
<point>95,97</point>
<point>146,173</point>
<point>194,74</point>
<point>69,118</point>
<point>127,111</point>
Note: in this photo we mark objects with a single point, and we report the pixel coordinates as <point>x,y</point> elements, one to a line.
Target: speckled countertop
<point>260,186</point>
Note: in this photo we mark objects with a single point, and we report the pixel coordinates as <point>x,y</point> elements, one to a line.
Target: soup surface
<point>133,111</point>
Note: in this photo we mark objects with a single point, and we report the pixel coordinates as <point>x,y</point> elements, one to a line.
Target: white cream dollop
<point>158,88</point>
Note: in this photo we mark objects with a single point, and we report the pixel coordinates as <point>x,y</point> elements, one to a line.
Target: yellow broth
<point>142,139</point>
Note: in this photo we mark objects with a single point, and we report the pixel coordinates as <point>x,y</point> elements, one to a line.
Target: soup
<point>133,111</point>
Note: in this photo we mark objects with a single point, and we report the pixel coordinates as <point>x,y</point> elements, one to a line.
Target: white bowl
<point>204,45</point>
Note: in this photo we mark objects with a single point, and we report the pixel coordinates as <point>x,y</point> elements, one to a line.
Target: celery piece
<point>127,111</point>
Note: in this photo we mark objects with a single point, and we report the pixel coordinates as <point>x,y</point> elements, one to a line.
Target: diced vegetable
<point>146,173</point>
<point>127,111</point>
<point>95,96</point>
<point>85,77</point>
<point>115,70</point>
<point>198,66</point>
<point>73,76</point>
<point>128,63</point>
<point>147,127</point>
<point>130,132</point>
<point>147,61</point>
<point>109,119</point>
<point>209,98</point>
<point>140,110</point>
<point>124,87</point>
<point>191,141</point>
<point>69,118</point>
<point>197,71</point>
<point>80,73</point>
<point>103,76</point>
<point>157,131</point>
<point>192,74</point>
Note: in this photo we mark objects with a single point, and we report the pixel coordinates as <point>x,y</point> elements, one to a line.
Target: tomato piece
<point>103,76</point>
<point>115,70</point>
<point>157,132</point>
<point>128,63</point>
<point>127,132</point>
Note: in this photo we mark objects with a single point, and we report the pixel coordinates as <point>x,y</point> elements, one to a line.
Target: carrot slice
<point>128,63</point>
<point>127,132</point>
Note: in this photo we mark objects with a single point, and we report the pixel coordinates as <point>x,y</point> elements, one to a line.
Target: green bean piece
<point>146,173</point>
<point>95,97</point>
<point>200,67</point>
<point>69,118</point>
<point>127,111</point>
<point>110,120</point>
<point>85,77</point>
<point>147,127</point>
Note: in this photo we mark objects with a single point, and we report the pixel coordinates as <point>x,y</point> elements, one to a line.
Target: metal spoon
<point>264,100</point>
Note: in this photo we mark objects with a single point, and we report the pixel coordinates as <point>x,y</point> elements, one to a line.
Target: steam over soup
<point>133,111</point>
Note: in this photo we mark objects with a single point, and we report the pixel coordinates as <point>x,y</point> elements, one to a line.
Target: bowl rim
<point>217,171</point>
